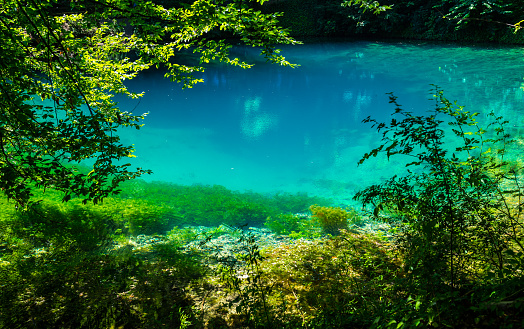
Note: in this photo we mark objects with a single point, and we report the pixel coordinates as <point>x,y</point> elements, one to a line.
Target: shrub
<point>459,210</point>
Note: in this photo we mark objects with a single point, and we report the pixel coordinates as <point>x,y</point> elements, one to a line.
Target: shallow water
<point>270,128</point>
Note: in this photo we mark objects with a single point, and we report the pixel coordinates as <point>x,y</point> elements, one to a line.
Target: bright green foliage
<point>331,219</point>
<point>129,217</point>
<point>88,226</point>
<point>63,63</point>
<point>204,205</point>
<point>155,208</point>
<point>373,6</point>
<point>458,211</point>
<point>465,11</point>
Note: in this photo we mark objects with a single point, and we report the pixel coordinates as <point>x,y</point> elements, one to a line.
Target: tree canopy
<point>63,62</point>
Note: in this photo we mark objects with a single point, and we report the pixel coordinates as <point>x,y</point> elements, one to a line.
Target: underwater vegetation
<point>215,205</point>
<point>293,225</point>
<point>331,219</point>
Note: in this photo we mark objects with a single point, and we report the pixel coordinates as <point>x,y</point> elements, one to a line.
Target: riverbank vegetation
<point>440,245</point>
<point>450,20</point>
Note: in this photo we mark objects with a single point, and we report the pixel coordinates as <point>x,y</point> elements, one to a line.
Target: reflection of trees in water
<point>256,122</point>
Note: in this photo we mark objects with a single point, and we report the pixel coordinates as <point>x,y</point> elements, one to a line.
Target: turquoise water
<point>277,129</point>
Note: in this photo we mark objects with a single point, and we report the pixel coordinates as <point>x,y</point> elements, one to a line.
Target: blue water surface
<point>279,129</point>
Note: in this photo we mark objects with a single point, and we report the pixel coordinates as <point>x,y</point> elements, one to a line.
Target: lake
<point>277,129</point>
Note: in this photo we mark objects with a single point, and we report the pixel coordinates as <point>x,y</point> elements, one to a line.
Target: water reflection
<point>272,128</point>
<point>256,122</point>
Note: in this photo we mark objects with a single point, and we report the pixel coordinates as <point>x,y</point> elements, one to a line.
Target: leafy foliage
<point>323,283</point>
<point>466,11</point>
<point>244,277</point>
<point>373,6</point>
<point>74,265</point>
<point>333,283</point>
<point>459,211</point>
<point>456,258</point>
<point>63,63</point>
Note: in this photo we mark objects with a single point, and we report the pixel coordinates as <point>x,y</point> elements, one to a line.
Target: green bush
<point>66,289</point>
<point>331,283</point>
<point>458,212</point>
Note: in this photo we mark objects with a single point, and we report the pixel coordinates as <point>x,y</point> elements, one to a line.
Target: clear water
<point>277,129</point>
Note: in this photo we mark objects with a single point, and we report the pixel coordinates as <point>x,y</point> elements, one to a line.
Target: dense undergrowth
<point>163,255</point>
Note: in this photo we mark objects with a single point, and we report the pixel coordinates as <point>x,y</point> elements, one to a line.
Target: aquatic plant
<point>331,219</point>
<point>331,283</point>
<point>294,203</point>
<point>216,205</point>
<point>245,278</point>
<point>293,225</point>
<point>199,204</point>
<point>321,283</point>
<point>283,223</point>
<point>142,217</point>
